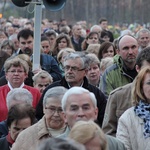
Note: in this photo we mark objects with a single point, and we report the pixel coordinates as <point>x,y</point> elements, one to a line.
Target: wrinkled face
<point>93,74</point>
<point>77,30</point>
<point>94,144</point>
<point>15,129</point>
<point>46,47</point>
<point>16,76</point>
<point>144,39</point>
<point>128,49</point>
<point>104,24</point>
<point>62,44</point>
<point>146,87</point>
<point>16,43</point>
<point>41,84</point>
<point>93,39</point>
<point>53,113</point>
<point>74,71</point>
<point>109,53</point>
<point>26,45</point>
<point>79,107</point>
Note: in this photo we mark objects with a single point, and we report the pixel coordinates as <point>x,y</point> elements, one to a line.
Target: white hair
<point>19,94</point>
<point>56,92</point>
<point>77,91</point>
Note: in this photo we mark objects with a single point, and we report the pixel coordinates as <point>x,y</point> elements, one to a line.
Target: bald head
<point>128,50</point>
<point>123,41</point>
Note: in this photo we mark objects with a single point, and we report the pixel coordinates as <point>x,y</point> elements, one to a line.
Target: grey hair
<point>42,74</point>
<point>75,55</point>
<point>77,91</point>
<point>60,144</point>
<point>106,62</point>
<point>95,26</point>
<point>142,31</point>
<point>13,36</point>
<point>19,94</point>
<point>92,59</point>
<point>56,92</point>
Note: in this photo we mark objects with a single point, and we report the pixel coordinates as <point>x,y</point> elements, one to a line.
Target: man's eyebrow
<point>86,105</point>
<point>73,105</point>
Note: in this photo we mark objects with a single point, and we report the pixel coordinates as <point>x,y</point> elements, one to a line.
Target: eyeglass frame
<point>16,71</point>
<point>73,68</point>
<point>54,109</point>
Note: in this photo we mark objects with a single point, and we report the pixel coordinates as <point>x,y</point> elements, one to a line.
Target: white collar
<point>11,88</point>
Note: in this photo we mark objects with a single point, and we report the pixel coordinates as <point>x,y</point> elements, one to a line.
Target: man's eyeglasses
<point>16,71</point>
<point>52,110</point>
<point>73,68</point>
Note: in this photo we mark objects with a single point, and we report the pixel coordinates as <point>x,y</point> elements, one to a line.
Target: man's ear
<point>44,110</point>
<point>65,117</point>
<point>96,113</point>
<point>86,71</point>
<point>117,51</point>
<point>137,68</point>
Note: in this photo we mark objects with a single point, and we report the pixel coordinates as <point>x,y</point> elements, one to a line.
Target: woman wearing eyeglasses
<point>51,125</point>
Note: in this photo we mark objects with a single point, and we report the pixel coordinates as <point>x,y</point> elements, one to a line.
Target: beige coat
<point>118,102</point>
<point>130,131</point>
<point>30,138</point>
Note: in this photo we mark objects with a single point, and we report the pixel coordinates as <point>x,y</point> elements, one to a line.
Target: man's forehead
<point>126,40</point>
<point>75,99</point>
<point>30,38</point>
<point>72,61</point>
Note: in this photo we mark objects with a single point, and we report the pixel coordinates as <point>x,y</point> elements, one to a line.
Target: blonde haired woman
<point>89,134</point>
<point>134,125</point>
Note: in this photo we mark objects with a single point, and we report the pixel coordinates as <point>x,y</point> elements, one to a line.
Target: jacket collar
<point>42,129</point>
<point>65,84</point>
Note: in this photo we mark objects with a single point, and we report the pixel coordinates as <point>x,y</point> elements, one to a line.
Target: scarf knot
<point>142,110</point>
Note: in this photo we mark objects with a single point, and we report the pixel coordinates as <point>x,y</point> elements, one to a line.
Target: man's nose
<point>80,112</point>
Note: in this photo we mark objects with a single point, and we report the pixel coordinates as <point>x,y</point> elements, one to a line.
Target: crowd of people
<point>91,90</point>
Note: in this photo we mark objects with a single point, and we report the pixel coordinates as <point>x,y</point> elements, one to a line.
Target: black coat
<point>4,144</point>
<point>101,101</point>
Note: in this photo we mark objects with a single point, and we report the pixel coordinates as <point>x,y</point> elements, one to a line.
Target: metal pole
<point>37,36</point>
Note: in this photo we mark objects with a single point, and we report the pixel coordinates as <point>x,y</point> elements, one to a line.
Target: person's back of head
<point>143,57</point>
<point>105,63</point>
<point>93,48</point>
<point>18,95</point>
<point>60,144</point>
<point>63,51</point>
<point>42,74</point>
<point>86,132</point>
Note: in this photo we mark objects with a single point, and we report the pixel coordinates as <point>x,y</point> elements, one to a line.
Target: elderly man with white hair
<point>79,104</point>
